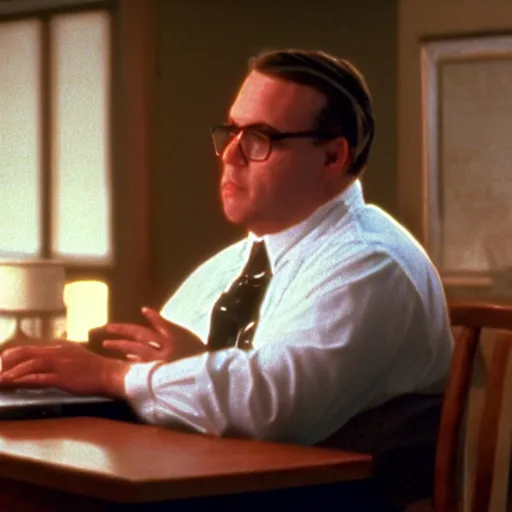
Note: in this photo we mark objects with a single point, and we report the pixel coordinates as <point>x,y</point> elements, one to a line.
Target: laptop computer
<point>52,402</point>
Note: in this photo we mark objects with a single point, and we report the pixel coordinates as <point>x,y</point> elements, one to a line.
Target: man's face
<point>269,196</point>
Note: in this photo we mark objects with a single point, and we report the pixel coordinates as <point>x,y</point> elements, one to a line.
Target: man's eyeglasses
<point>256,144</point>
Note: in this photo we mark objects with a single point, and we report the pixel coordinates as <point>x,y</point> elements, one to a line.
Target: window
<point>467,112</point>
<point>55,165</point>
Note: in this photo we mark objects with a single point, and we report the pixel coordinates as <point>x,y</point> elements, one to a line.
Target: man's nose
<point>233,153</point>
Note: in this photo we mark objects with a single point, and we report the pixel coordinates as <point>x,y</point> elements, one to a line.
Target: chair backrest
<point>473,450</point>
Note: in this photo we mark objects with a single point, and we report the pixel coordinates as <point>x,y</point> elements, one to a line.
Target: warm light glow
<point>87,307</point>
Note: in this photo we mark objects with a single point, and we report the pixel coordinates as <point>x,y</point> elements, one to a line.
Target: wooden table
<point>79,463</point>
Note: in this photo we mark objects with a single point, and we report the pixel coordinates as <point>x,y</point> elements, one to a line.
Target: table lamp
<point>31,294</point>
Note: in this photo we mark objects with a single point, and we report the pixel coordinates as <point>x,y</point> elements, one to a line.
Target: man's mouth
<point>230,187</point>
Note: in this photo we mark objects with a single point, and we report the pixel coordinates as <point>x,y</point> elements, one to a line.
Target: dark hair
<point>348,112</point>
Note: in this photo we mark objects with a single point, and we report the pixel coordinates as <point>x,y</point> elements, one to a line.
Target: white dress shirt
<point>354,315</point>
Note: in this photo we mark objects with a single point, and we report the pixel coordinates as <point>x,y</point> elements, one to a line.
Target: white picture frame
<point>436,57</point>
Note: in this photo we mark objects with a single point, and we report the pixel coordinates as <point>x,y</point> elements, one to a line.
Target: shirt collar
<point>278,244</point>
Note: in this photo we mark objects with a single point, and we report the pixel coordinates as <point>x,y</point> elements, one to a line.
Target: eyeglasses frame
<point>272,137</point>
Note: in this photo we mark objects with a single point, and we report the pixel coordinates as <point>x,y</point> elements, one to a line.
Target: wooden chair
<point>473,448</point>
<point>472,422</point>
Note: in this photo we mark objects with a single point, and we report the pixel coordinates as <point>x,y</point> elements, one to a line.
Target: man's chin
<point>236,220</point>
<point>234,215</point>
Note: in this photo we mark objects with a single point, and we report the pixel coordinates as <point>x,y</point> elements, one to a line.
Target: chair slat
<point>472,318</point>
<point>446,496</point>
<point>488,438</point>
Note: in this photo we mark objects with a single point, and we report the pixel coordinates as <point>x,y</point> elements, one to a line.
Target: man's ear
<point>337,155</point>
<point>330,158</point>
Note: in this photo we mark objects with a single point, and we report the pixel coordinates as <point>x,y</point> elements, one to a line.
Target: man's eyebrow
<point>261,126</point>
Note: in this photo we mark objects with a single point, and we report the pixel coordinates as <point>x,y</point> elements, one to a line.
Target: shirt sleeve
<point>327,351</point>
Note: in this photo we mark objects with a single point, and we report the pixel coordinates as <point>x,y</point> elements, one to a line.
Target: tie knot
<point>258,262</point>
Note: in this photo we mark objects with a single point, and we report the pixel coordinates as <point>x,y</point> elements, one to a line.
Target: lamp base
<point>35,330</point>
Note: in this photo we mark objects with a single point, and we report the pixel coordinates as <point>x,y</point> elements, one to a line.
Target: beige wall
<point>202,50</point>
<point>417,20</point>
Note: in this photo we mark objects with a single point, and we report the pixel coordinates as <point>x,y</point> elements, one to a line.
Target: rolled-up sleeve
<point>329,350</point>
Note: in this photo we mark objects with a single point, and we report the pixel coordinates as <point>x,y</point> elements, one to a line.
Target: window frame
<point>132,72</point>
<point>434,53</point>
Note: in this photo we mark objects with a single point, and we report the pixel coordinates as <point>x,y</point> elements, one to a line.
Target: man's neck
<point>331,191</point>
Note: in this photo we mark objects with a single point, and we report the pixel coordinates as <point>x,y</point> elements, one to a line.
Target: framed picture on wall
<point>467,159</point>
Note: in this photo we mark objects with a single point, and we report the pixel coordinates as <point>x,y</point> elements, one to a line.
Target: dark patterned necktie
<point>236,312</point>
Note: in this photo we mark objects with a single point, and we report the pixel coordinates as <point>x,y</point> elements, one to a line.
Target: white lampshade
<point>32,286</point>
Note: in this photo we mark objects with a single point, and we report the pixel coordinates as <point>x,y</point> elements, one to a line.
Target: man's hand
<point>163,341</point>
<point>67,366</point>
